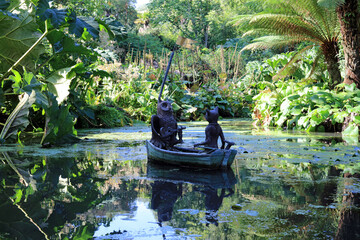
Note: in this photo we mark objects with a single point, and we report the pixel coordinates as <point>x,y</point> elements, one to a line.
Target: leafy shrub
<point>105,117</point>
<point>313,108</point>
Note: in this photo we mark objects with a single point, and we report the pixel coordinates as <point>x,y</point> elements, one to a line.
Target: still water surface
<point>282,185</point>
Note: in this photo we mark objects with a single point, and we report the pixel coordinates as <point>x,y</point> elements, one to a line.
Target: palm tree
<point>294,22</point>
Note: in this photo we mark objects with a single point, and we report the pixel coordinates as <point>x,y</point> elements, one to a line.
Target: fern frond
<point>331,4</point>
<point>271,42</point>
<point>282,24</point>
<point>239,20</point>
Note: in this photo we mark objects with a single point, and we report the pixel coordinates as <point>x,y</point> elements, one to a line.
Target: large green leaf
<point>65,44</point>
<point>351,130</point>
<point>114,28</point>
<point>26,84</point>
<point>57,16</point>
<point>16,37</point>
<point>60,123</point>
<point>18,119</point>
<point>4,4</point>
<point>78,25</point>
<point>59,83</point>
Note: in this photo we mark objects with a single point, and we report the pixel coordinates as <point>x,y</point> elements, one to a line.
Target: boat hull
<point>217,159</point>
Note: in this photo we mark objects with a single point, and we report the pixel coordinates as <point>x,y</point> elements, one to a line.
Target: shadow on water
<point>282,185</point>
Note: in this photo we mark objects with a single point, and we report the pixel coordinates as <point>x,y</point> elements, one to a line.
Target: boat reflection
<point>167,188</point>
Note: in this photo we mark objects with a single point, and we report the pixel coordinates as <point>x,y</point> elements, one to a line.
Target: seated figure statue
<point>164,127</point>
<point>213,131</point>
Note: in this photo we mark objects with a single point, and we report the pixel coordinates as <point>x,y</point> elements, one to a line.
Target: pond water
<point>282,185</point>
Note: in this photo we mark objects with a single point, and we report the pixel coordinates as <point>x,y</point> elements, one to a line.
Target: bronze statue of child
<point>213,131</point>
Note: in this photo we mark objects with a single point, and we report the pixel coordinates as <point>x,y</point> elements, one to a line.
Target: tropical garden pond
<point>282,185</point>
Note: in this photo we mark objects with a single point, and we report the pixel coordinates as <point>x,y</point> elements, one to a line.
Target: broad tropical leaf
<point>351,130</point>
<point>4,4</point>
<point>57,16</point>
<point>26,84</point>
<point>78,25</point>
<point>114,28</point>
<point>65,44</point>
<point>289,67</point>
<point>18,119</point>
<point>59,83</point>
<point>60,123</point>
<point>16,37</point>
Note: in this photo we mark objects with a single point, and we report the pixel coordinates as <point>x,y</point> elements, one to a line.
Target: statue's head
<point>212,115</point>
<point>164,108</point>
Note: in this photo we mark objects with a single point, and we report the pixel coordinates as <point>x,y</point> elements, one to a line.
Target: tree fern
<point>293,22</point>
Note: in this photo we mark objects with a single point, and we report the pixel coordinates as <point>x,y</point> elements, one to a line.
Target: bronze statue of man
<point>164,127</point>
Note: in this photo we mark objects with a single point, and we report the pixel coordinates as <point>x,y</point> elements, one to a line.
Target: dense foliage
<point>100,64</point>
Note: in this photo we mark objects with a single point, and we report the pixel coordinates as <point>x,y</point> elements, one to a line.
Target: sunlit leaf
<point>59,83</point>
<point>60,123</point>
<point>16,37</point>
<point>18,119</point>
<point>18,195</point>
<point>24,84</point>
<point>351,130</point>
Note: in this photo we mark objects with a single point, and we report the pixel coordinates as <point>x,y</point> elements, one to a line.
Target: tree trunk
<point>331,50</point>
<point>348,16</point>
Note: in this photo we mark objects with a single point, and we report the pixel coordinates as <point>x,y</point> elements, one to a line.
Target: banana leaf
<point>18,119</point>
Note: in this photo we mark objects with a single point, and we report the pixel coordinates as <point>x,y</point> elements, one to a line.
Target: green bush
<point>105,117</point>
<point>313,108</point>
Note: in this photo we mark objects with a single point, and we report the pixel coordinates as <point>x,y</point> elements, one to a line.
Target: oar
<point>188,43</point>
<point>166,73</point>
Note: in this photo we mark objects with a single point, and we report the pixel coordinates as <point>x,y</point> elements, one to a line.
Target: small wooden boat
<point>210,158</point>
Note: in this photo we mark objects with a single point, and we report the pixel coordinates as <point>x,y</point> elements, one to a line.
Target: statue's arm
<point>155,125</point>
<point>222,137</point>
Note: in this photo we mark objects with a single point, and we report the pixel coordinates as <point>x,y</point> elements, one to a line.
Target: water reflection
<point>213,202</point>
<point>282,186</point>
<point>163,197</point>
<point>169,189</point>
<point>349,222</point>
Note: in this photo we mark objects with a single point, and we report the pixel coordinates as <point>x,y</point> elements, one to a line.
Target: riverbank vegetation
<point>67,65</point>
